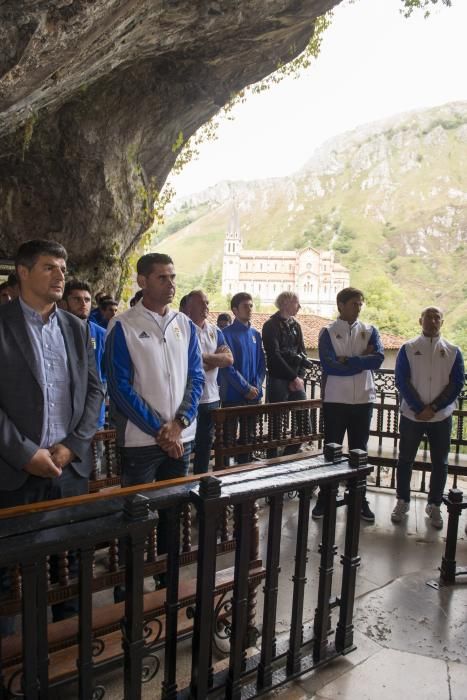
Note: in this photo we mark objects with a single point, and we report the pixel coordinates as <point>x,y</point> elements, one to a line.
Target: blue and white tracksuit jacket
<point>249,366</point>
<point>429,372</point>
<point>349,382</point>
<point>154,372</point>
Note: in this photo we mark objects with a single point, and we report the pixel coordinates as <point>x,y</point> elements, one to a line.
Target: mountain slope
<point>389,197</point>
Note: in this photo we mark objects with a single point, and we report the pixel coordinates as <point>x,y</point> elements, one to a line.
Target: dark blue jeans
<point>204,437</point>
<point>240,431</point>
<point>439,440</point>
<point>142,465</point>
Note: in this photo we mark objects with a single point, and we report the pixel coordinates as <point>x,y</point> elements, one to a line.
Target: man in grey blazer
<point>50,394</point>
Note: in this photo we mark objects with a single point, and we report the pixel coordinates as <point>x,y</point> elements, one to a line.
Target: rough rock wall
<point>93,94</point>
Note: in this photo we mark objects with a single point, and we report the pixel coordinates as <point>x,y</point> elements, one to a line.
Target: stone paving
<point>411,638</point>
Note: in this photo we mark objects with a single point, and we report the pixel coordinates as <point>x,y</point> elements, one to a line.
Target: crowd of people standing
<point>165,371</point>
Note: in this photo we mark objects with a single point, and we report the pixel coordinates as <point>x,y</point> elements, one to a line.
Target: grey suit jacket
<point>22,401</point>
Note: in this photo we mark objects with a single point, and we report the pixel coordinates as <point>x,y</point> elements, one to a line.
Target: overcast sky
<point>373,63</point>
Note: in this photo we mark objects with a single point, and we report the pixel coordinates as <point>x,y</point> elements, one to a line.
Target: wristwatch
<point>183,420</point>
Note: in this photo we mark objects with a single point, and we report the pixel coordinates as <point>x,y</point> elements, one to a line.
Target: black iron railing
<point>29,541</point>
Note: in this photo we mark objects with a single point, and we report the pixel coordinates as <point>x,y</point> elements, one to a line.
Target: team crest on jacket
<point>442,352</point>
<point>338,336</point>
<point>363,335</point>
<point>144,335</point>
<point>418,352</point>
<point>176,330</point>
<point>212,334</point>
<point>253,339</point>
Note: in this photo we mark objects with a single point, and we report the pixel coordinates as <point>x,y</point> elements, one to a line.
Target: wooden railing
<point>106,461</point>
<point>262,431</point>
<point>32,663</point>
<point>384,432</point>
<point>259,430</point>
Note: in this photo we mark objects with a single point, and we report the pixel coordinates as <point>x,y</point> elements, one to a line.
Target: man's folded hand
<point>41,464</point>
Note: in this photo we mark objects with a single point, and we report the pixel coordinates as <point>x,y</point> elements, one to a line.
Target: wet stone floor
<point>411,638</point>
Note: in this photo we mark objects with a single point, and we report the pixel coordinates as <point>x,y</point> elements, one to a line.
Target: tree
<point>411,5</point>
<point>385,307</point>
<point>212,281</point>
<point>459,334</point>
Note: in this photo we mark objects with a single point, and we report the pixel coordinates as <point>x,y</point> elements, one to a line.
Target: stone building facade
<point>313,274</point>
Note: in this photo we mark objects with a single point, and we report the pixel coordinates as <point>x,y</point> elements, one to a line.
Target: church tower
<point>232,248</point>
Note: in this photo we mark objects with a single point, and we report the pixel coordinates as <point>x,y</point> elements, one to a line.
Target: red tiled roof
<point>311,326</point>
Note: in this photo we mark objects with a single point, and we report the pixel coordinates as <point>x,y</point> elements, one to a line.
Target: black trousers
<point>353,419</point>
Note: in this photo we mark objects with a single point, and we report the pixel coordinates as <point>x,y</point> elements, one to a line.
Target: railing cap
<point>210,487</point>
<point>357,458</point>
<point>332,452</point>
<point>455,495</point>
<point>136,507</point>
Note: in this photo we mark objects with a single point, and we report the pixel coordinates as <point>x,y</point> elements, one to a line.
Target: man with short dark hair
<point>46,356</point>
<point>13,285</point>
<point>429,376</point>
<point>242,383</point>
<point>223,320</point>
<point>349,351</point>
<point>155,380</point>
<point>5,297</point>
<point>215,354</point>
<point>108,309</point>
<point>138,295</point>
<point>96,314</point>
<point>95,310</point>
<point>77,297</point>
<point>50,394</point>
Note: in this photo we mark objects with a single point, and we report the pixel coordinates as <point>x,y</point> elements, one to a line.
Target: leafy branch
<point>411,5</point>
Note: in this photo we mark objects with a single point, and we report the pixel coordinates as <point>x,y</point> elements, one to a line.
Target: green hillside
<point>390,198</point>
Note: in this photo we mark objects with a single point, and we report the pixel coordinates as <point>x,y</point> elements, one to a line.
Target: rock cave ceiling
<point>93,94</point>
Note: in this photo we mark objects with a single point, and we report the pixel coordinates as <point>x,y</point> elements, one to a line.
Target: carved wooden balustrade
<point>260,430</point>
<point>384,432</point>
<point>106,461</point>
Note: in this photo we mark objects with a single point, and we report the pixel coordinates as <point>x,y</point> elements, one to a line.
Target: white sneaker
<point>434,513</point>
<point>400,510</point>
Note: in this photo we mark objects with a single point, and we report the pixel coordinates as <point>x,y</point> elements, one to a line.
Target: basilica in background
<point>313,274</point>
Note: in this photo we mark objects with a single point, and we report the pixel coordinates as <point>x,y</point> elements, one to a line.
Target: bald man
<point>429,377</point>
